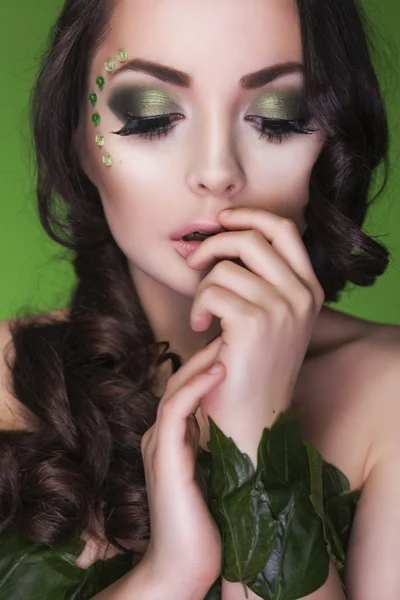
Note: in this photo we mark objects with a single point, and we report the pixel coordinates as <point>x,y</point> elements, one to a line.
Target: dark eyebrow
<point>250,81</point>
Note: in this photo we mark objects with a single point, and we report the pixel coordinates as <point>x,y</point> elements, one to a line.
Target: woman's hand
<point>185,545</point>
<point>268,308</point>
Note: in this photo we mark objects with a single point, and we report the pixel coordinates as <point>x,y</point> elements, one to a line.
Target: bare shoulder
<point>350,398</point>
<point>372,574</point>
<point>12,415</point>
<point>382,384</point>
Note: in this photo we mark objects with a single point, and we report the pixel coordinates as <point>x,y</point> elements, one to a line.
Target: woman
<point>150,120</point>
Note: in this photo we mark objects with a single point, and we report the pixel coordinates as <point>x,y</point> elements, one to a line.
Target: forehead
<point>221,39</point>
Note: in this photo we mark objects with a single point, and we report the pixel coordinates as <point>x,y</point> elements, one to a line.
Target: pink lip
<point>207,225</point>
<point>185,249</point>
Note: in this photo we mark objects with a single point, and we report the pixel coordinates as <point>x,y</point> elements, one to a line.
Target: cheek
<point>134,193</point>
<point>290,178</point>
<point>290,167</point>
<point>285,173</point>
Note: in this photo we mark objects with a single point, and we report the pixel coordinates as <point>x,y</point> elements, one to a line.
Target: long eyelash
<point>276,130</point>
<point>148,127</point>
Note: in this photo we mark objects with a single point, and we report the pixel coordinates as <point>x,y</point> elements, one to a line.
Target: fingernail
<point>227,213</point>
<point>215,369</point>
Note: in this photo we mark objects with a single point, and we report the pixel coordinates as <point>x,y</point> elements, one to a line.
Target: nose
<point>215,169</point>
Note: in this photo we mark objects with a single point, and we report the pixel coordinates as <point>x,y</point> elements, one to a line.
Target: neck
<point>169,316</point>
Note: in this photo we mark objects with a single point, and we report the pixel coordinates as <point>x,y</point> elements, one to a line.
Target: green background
<point>33,273</point>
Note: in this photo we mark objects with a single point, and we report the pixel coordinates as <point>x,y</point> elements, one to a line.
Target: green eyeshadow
<point>140,102</point>
<point>287,104</point>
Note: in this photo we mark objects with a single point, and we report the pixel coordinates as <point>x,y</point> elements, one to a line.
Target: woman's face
<point>214,156</point>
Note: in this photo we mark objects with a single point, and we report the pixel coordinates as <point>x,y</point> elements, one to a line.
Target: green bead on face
<point>122,55</point>
<point>107,160</point>
<point>109,66</point>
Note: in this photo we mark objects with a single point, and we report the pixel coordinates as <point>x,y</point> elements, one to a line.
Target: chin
<point>185,285</point>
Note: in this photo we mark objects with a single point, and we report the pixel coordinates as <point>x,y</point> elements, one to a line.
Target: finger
<point>192,430</point>
<point>254,251</point>
<point>145,440</point>
<point>238,280</point>
<point>172,424</point>
<point>199,362</point>
<point>227,305</point>
<point>259,256</point>
<point>282,233</point>
<point>148,443</point>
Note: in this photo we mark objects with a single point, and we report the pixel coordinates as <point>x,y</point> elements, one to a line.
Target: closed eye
<point>275,130</point>
<point>148,127</point>
<point>279,129</point>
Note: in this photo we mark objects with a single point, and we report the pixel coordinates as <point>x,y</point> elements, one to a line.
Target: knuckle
<point>155,458</point>
<point>288,225</point>
<point>144,442</point>
<point>311,300</point>
<point>225,266</point>
<point>193,385</point>
<point>210,292</point>
<point>254,236</point>
<point>164,408</point>
<point>319,294</point>
<point>282,311</point>
<point>171,380</point>
<point>170,389</point>
<point>305,300</point>
<point>171,386</point>
<point>143,446</point>
<point>255,318</point>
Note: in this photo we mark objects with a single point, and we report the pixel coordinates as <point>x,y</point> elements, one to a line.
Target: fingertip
<point>214,340</point>
<point>215,369</point>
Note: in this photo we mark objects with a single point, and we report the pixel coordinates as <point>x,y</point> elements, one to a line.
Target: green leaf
<point>315,461</point>
<point>230,467</point>
<point>299,563</point>
<point>341,511</point>
<point>244,518</point>
<point>248,533</point>
<point>37,572</point>
<point>335,482</point>
<point>204,459</point>
<point>340,506</point>
<point>281,524</point>
<point>285,448</point>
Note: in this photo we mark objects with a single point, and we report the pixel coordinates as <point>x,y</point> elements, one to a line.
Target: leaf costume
<point>283,522</point>
<point>37,572</point>
<point>280,525</point>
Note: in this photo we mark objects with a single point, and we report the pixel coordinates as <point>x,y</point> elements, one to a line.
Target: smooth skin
<point>268,308</point>
<point>183,528</point>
